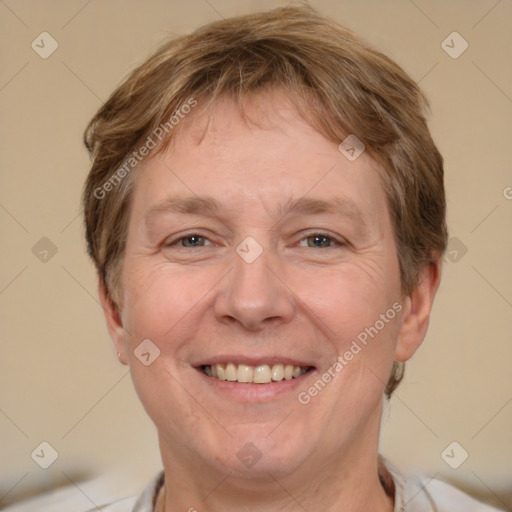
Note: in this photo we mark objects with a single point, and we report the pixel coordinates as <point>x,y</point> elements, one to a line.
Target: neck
<point>274,495</point>
<point>346,480</point>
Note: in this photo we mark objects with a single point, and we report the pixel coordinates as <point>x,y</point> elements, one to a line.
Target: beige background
<point>60,381</point>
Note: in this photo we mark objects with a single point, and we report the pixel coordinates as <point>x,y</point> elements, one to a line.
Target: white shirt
<point>415,494</point>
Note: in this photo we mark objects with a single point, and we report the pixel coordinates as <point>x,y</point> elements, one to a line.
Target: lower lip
<point>250,392</point>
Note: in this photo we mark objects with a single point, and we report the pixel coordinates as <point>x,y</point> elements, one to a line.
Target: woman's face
<point>263,249</point>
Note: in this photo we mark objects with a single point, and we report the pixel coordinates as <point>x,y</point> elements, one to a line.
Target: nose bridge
<point>253,295</point>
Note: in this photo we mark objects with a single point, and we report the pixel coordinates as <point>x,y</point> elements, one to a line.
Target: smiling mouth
<point>261,374</point>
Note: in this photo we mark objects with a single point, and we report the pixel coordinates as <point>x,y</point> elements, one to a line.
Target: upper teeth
<point>261,374</point>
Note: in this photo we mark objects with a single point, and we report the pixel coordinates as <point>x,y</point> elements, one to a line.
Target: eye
<point>319,241</point>
<point>190,241</point>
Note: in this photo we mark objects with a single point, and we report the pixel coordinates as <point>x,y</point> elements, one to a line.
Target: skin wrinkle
<point>255,134</point>
<point>293,300</point>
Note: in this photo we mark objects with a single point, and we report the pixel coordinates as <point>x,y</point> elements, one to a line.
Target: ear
<point>114,323</point>
<point>417,310</point>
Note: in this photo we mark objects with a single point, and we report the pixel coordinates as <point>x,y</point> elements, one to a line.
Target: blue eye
<point>318,241</point>
<point>191,241</point>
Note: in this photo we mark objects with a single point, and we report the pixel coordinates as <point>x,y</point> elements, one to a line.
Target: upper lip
<point>253,361</point>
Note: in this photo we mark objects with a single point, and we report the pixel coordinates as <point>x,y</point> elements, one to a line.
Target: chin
<point>253,455</point>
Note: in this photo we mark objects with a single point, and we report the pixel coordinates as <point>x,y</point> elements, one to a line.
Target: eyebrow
<point>334,205</point>
<point>195,205</point>
<point>185,205</point>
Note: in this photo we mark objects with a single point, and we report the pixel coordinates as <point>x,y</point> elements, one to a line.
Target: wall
<point>60,380</point>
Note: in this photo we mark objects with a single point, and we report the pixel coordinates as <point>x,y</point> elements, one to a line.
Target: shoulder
<point>67,499</point>
<point>91,496</point>
<point>419,493</point>
<point>423,492</point>
<point>107,493</point>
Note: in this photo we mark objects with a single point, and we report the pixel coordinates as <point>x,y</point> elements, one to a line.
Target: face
<point>261,265</point>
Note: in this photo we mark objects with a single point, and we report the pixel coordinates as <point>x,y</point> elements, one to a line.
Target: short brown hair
<point>339,83</point>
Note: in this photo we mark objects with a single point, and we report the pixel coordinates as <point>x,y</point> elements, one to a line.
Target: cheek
<point>349,298</point>
<point>159,298</point>
<point>357,310</point>
<point>165,401</point>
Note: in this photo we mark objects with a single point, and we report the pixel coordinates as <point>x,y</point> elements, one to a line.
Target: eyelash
<point>175,242</point>
<point>334,240</point>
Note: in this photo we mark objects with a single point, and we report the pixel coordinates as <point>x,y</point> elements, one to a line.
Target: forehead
<point>269,155</point>
<point>255,124</point>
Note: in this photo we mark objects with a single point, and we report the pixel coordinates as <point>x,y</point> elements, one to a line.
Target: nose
<point>254,296</point>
